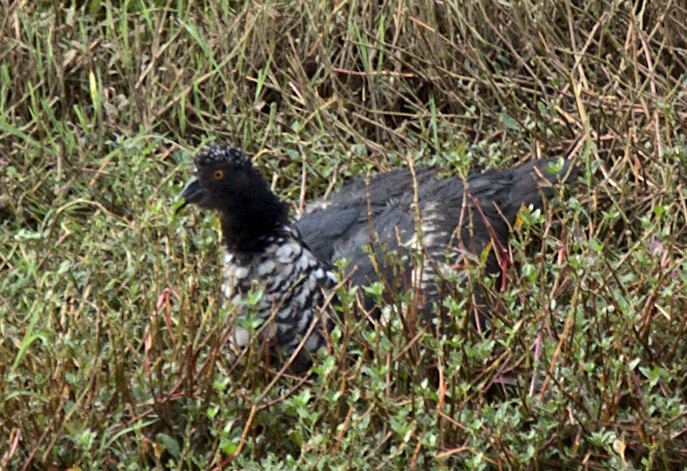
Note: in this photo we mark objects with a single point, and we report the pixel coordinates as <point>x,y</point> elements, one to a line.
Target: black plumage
<point>263,252</point>
<point>464,216</point>
<point>395,212</point>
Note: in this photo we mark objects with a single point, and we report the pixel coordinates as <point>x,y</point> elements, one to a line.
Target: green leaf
<point>169,443</point>
<point>509,121</point>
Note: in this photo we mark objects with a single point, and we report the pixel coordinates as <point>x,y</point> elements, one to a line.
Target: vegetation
<point>111,345</point>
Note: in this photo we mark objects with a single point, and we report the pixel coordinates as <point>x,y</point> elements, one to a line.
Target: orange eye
<point>218,174</point>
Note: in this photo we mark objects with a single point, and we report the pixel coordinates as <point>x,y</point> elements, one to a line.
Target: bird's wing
<point>330,225</point>
<point>456,218</point>
<point>452,215</point>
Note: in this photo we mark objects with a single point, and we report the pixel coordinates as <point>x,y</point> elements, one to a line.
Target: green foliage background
<point>111,333</point>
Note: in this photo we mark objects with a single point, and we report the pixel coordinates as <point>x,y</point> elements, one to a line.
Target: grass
<point>111,348</point>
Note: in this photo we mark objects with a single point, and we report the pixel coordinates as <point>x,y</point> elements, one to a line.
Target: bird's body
<point>294,285</point>
<point>398,212</point>
<point>455,218</point>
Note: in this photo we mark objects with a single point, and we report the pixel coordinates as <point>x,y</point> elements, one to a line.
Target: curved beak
<point>191,193</point>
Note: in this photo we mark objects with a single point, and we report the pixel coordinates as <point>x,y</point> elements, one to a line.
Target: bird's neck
<point>252,220</point>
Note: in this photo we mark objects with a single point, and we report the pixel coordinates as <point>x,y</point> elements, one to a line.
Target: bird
<point>290,262</point>
<point>466,216</point>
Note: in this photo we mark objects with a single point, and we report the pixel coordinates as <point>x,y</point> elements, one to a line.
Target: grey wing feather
<point>380,214</point>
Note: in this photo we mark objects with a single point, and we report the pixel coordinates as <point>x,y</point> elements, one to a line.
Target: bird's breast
<point>282,285</point>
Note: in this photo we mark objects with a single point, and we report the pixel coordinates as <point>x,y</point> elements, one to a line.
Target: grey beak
<point>191,193</point>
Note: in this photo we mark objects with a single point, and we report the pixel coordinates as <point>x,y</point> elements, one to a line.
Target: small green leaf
<point>509,121</point>
<point>169,443</point>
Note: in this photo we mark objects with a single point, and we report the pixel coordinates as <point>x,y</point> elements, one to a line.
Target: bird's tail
<point>538,178</point>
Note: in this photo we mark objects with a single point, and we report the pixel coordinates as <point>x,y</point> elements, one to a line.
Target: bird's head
<point>225,180</point>
<point>222,175</point>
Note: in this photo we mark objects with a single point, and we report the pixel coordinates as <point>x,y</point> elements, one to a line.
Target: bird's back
<point>332,225</point>
<point>453,217</point>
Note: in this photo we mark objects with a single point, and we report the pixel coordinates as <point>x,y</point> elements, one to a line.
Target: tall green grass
<point>112,335</point>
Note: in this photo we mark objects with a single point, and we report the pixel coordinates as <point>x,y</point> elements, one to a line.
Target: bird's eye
<point>217,174</point>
